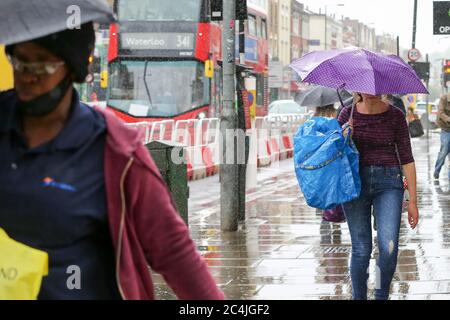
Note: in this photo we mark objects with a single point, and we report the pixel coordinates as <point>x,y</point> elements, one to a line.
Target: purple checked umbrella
<point>358,70</point>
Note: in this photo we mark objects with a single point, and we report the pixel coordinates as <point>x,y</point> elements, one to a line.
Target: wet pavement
<point>285,251</point>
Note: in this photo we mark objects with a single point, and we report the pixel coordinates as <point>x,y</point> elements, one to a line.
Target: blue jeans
<point>382,188</point>
<point>443,152</point>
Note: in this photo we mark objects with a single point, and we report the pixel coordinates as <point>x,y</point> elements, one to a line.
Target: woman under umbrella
<point>380,132</point>
<point>381,135</point>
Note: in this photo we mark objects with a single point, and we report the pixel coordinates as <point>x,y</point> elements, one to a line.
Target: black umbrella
<point>24,20</point>
<point>319,96</point>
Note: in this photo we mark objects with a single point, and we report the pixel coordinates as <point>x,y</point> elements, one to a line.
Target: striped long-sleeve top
<point>376,135</point>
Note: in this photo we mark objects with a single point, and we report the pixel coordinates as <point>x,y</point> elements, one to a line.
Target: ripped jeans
<point>382,188</point>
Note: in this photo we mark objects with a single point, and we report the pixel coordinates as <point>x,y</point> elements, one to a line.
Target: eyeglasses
<point>35,68</point>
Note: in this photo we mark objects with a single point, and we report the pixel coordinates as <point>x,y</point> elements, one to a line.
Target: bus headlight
<point>201,115</point>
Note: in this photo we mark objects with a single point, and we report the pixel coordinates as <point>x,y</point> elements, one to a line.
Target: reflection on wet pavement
<point>285,251</point>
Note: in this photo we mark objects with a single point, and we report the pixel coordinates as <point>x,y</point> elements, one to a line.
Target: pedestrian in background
<point>336,214</point>
<point>77,183</point>
<point>443,121</point>
<point>328,111</point>
<point>414,123</point>
<point>381,136</point>
<point>411,115</point>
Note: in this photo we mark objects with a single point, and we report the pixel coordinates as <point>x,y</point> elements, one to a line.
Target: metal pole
<point>426,102</point>
<point>240,85</point>
<point>444,85</point>
<point>241,42</point>
<point>326,18</point>
<point>414,25</point>
<point>228,168</point>
<point>398,46</point>
<point>241,140</point>
<point>289,83</point>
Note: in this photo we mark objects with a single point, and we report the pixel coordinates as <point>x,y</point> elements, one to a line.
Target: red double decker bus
<point>158,54</point>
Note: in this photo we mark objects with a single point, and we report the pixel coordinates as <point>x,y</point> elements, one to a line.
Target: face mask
<point>46,103</point>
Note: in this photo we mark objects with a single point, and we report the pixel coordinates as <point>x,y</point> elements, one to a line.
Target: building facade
<point>273,29</point>
<point>358,34</point>
<point>367,37</point>
<point>350,35</point>
<point>299,30</point>
<point>386,43</point>
<point>325,32</point>
<point>284,31</point>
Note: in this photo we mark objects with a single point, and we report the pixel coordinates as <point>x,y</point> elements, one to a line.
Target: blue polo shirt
<point>53,198</point>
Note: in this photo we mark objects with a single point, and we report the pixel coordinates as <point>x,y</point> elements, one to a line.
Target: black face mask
<point>46,103</point>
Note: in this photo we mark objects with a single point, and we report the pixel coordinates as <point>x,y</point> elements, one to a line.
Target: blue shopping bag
<point>326,164</point>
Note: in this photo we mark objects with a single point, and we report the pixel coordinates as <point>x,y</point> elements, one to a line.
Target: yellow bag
<point>21,269</point>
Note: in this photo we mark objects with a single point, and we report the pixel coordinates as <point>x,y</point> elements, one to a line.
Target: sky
<point>390,16</point>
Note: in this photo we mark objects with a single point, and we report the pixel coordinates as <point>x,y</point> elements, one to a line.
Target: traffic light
<point>241,10</point>
<point>422,69</point>
<point>446,73</point>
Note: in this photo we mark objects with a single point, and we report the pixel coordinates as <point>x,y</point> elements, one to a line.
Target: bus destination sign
<point>157,41</point>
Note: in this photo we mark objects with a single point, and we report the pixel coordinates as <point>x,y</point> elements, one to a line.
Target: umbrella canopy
<point>30,19</point>
<point>358,70</point>
<point>319,96</point>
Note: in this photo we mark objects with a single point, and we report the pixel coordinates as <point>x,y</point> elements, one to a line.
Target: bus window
<point>156,10</point>
<point>252,30</point>
<point>258,27</point>
<point>263,29</point>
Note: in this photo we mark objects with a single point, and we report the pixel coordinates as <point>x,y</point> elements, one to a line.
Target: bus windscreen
<point>157,10</point>
<point>157,88</point>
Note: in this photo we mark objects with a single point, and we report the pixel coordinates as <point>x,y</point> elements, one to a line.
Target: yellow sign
<point>104,79</point>
<point>6,74</point>
<point>252,101</point>
<point>209,69</point>
<point>21,269</point>
<point>412,99</point>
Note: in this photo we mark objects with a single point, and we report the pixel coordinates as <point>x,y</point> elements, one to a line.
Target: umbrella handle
<point>342,104</point>
<point>340,98</point>
<point>351,114</point>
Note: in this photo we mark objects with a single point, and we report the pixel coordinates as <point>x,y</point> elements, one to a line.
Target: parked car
<point>432,114</point>
<point>286,107</point>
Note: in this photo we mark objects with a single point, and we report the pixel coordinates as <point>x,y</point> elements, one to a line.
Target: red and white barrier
<point>262,133</point>
<point>271,140</point>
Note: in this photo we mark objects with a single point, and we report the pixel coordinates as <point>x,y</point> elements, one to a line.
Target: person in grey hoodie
<point>443,121</point>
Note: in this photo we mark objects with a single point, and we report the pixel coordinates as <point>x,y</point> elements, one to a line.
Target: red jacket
<point>145,227</point>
